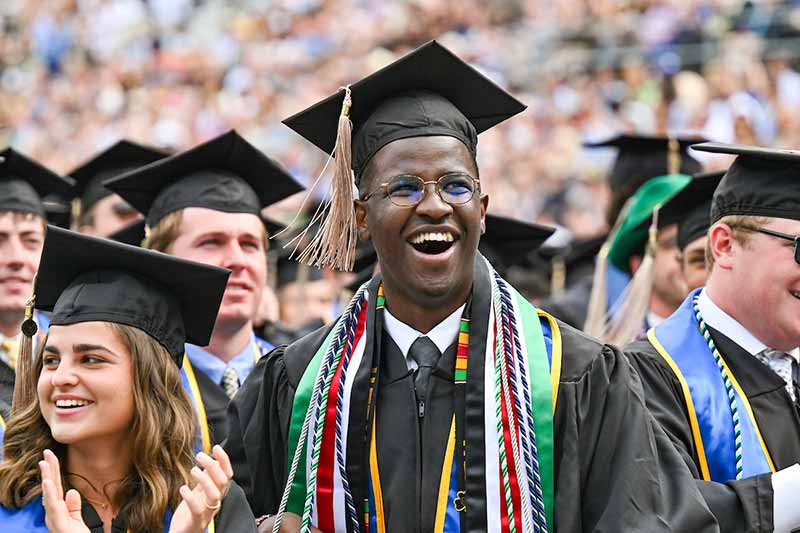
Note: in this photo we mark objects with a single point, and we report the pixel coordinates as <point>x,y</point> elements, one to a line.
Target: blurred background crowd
<point>76,75</point>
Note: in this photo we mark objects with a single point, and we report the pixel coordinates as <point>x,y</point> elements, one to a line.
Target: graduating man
<point>692,209</point>
<point>204,205</point>
<point>23,183</point>
<point>101,212</point>
<point>639,159</point>
<point>643,245</point>
<point>720,374</point>
<point>441,400</point>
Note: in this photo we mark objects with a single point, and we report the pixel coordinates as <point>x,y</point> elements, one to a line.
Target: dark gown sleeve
<point>7,376</point>
<point>743,505</point>
<point>616,469</point>
<point>258,425</point>
<point>235,515</point>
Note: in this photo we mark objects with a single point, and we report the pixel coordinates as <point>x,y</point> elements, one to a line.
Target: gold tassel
<point>558,278</point>
<point>629,316</point>
<point>335,242</point>
<point>25,381</point>
<point>597,312</point>
<point>673,156</point>
<point>75,212</point>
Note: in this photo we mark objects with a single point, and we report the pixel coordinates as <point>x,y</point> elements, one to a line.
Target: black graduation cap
<point>132,234</point>
<point>83,278</point>
<point>691,208</point>
<point>225,174</point>
<point>760,182</point>
<point>508,242</point>
<point>290,271</point>
<point>641,157</point>
<point>120,158</point>
<point>57,210</point>
<point>429,91</point>
<point>24,182</point>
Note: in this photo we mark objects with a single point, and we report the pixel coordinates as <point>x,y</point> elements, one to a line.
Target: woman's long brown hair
<point>163,434</point>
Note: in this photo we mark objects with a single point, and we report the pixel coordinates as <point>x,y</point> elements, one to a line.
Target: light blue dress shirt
<point>213,367</point>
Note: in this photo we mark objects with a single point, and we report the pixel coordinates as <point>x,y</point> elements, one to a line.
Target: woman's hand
<point>201,503</point>
<point>62,514</point>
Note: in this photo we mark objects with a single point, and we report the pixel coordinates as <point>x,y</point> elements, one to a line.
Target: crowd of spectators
<point>75,75</point>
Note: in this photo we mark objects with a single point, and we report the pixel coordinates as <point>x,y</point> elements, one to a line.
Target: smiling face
<point>85,388</point>
<point>21,240</point>
<point>427,251</point>
<point>229,240</point>
<point>758,282</point>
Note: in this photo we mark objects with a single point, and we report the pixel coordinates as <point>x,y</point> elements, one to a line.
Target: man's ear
<point>484,207</point>
<point>721,241</point>
<point>360,207</point>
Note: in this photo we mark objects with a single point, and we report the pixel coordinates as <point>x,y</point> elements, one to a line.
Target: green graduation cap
<point>633,232</point>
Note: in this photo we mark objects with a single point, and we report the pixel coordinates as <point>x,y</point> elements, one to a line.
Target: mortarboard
<point>120,158</point>
<point>691,207</point>
<point>83,278</point>
<point>225,174</point>
<point>133,234</point>
<point>760,182</point>
<point>289,271</point>
<point>57,210</point>
<point>642,157</point>
<point>632,234</point>
<point>24,182</point>
<point>508,242</point>
<point>427,92</point>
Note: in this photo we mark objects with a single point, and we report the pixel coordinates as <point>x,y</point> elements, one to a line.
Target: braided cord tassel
<point>737,427</point>
<point>528,435</point>
<point>322,389</point>
<point>348,352</point>
<point>510,382</point>
<point>501,392</point>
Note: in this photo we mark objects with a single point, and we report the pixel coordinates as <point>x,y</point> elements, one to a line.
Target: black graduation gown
<point>234,516</point>
<point>745,505</point>
<point>615,469</point>
<point>571,306</point>
<point>215,401</point>
<point>7,376</point>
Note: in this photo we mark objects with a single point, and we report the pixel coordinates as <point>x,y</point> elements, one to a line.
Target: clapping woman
<point>102,435</point>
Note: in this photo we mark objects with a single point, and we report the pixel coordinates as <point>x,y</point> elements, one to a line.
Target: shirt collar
<point>443,334</point>
<point>214,367</point>
<point>721,321</point>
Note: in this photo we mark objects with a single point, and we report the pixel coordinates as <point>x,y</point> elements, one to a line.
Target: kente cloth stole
<point>679,341</point>
<point>515,437</point>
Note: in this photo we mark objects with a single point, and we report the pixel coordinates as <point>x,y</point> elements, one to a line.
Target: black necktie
<point>426,355</point>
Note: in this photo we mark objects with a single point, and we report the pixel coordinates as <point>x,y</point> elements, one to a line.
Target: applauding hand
<point>201,503</point>
<point>62,514</point>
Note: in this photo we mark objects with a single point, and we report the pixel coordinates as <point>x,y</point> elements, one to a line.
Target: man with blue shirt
<point>720,374</point>
<point>204,204</point>
<point>23,183</point>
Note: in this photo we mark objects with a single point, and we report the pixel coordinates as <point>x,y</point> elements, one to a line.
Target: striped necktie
<point>230,381</point>
<point>10,347</point>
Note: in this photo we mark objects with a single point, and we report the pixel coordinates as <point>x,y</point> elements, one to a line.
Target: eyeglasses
<point>778,234</point>
<point>455,188</point>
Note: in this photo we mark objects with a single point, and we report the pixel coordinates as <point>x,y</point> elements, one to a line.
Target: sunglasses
<point>455,188</point>
<point>779,235</point>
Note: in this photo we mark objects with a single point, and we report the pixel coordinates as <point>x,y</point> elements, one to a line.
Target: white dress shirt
<point>786,482</point>
<point>442,334</point>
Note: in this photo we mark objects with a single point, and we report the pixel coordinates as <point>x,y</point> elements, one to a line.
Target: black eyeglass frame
<point>385,188</point>
<point>778,234</point>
